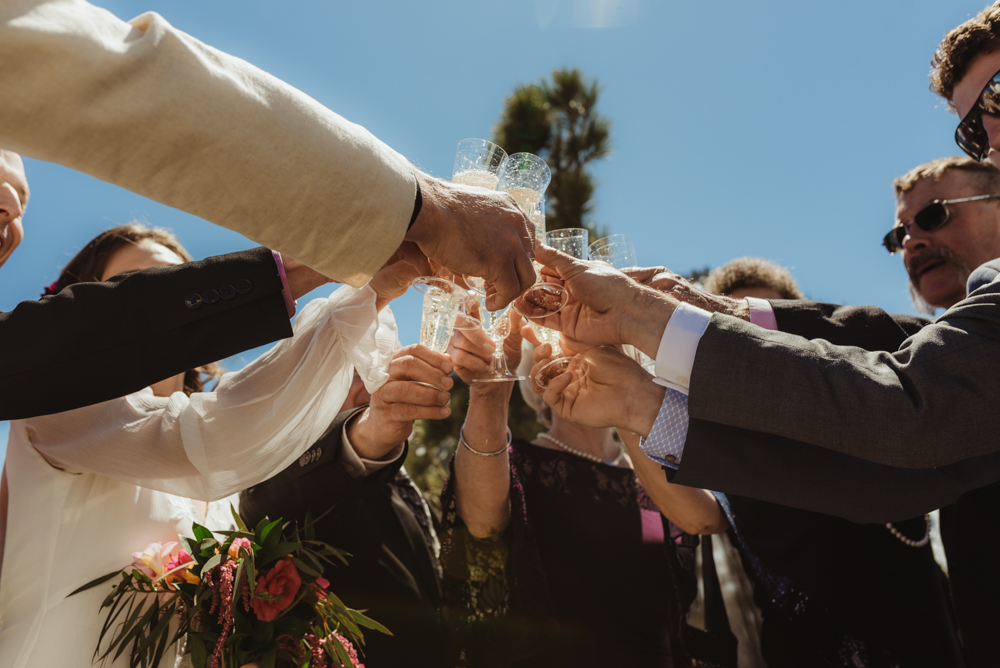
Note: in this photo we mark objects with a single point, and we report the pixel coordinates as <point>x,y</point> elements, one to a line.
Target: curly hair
<point>90,263</point>
<point>984,172</point>
<point>961,46</point>
<point>752,272</point>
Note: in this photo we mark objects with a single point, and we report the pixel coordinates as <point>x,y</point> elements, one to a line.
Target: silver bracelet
<point>461,439</point>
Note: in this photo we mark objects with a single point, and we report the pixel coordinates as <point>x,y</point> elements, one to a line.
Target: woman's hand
<point>616,392</point>
<point>472,350</point>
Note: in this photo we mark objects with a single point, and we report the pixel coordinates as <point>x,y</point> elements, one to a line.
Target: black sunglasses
<point>930,218</point>
<point>970,134</point>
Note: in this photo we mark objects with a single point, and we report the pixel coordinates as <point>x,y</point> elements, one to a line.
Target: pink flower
<point>182,558</point>
<point>323,582</point>
<point>152,562</point>
<point>281,582</point>
<point>320,585</point>
<point>234,547</point>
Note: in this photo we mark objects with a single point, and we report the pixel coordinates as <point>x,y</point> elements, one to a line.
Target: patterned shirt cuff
<point>675,357</point>
<point>761,313</point>
<point>286,293</point>
<point>665,443</point>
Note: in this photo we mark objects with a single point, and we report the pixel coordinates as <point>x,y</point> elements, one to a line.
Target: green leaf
<point>306,568</point>
<point>237,589</point>
<point>199,654</point>
<point>267,660</point>
<point>94,583</point>
<point>200,532</point>
<point>236,518</point>
<point>276,552</point>
<point>268,538</point>
<point>368,622</point>
<point>210,564</point>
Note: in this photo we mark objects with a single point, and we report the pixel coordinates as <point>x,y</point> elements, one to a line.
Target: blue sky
<point>738,128</point>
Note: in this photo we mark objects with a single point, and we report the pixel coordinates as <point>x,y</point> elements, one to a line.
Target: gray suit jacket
<point>931,403</point>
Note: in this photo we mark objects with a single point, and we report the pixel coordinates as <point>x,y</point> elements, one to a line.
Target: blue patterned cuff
<point>665,443</point>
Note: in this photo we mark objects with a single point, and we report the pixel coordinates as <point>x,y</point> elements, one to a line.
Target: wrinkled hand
<point>475,232</point>
<point>392,280</point>
<point>616,392</point>
<point>472,351</point>
<point>301,279</point>
<point>395,406</point>
<point>605,305</point>
<point>665,281</point>
<point>11,212</point>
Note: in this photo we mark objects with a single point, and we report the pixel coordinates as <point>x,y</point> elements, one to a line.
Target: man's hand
<point>675,285</point>
<point>606,307</point>
<point>394,407</point>
<point>392,280</point>
<point>301,279</point>
<point>472,351</point>
<point>616,392</point>
<point>476,232</point>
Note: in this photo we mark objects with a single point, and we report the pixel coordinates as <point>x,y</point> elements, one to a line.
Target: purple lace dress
<point>585,575</point>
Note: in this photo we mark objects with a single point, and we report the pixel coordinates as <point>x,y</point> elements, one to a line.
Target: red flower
<point>281,582</point>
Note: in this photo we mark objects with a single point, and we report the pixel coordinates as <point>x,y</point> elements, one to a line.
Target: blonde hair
<point>752,272</point>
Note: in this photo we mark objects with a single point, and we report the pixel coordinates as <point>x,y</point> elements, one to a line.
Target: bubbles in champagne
<point>526,198</point>
<point>549,336</point>
<point>479,178</point>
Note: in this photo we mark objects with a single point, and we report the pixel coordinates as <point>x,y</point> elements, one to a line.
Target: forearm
<point>695,511</point>
<point>482,483</point>
<point>270,162</point>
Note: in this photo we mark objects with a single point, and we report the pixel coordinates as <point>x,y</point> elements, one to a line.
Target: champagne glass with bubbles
<point>526,178</point>
<point>478,163</point>
<point>445,309</point>
<point>497,325</point>
<point>619,251</point>
<point>573,242</point>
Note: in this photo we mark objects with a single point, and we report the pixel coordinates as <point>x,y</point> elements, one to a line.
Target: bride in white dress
<point>89,487</point>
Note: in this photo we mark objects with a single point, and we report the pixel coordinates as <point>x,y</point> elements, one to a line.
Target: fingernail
<point>445,412</point>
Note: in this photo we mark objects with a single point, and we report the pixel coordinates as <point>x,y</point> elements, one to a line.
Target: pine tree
<point>558,121</point>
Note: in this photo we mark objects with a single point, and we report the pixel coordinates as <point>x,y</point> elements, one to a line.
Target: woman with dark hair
<point>89,487</point>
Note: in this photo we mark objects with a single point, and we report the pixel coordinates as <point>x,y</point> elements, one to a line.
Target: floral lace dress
<point>587,573</point>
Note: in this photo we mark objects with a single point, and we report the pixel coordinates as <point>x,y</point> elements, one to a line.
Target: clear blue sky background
<point>769,129</point>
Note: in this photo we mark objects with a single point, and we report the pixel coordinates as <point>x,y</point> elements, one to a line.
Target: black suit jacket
<point>806,476</point>
<point>393,571</point>
<point>96,341</point>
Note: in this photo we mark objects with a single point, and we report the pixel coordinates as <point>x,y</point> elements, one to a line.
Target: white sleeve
<point>675,357</point>
<point>256,422</point>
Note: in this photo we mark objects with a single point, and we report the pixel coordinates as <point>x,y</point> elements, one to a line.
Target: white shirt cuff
<point>675,357</point>
<point>355,465</point>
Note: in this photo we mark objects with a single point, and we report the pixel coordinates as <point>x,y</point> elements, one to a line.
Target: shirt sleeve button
<point>244,286</point>
<point>227,292</point>
<point>193,300</point>
<point>671,458</point>
<point>210,296</point>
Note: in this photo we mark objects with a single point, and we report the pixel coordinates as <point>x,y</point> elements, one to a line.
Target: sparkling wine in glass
<point>525,177</point>
<point>478,163</point>
<point>573,242</point>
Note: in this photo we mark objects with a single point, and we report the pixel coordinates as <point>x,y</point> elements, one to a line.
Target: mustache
<point>930,255</point>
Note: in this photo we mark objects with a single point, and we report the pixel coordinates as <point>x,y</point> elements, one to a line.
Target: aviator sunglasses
<point>932,217</point>
<point>970,134</point>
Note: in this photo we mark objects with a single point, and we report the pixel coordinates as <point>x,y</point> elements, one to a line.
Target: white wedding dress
<point>89,487</point>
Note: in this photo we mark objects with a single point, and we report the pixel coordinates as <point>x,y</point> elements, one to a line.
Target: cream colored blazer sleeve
<point>150,108</point>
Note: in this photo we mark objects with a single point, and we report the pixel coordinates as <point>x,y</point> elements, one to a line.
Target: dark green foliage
<point>558,121</point>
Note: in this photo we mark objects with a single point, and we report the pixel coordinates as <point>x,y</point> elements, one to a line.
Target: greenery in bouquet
<point>254,597</point>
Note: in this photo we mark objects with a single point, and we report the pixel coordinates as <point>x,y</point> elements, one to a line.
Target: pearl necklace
<point>909,541</point>
<point>586,455</point>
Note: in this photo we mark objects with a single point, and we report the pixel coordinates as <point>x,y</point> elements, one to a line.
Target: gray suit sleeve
<point>929,404</point>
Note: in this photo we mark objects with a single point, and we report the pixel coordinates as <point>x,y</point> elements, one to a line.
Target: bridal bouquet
<point>255,597</point>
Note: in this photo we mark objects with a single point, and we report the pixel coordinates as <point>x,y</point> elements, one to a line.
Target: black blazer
<point>393,571</point>
<point>806,476</point>
<point>97,341</point>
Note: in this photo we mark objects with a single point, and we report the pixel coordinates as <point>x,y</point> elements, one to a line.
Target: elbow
<point>702,526</point>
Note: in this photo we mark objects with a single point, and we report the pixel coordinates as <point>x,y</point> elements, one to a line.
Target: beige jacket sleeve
<point>151,109</point>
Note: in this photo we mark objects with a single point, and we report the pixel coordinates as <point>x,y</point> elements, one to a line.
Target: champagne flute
<point>573,242</point>
<point>619,251</point>
<point>526,177</point>
<point>478,163</point>
<point>497,325</point>
<point>444,311</point>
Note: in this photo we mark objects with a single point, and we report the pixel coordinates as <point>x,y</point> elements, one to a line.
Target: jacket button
<point>210,296</point>
<point>227,292</point>
<point>244,286</point>
<point>193,300</point>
